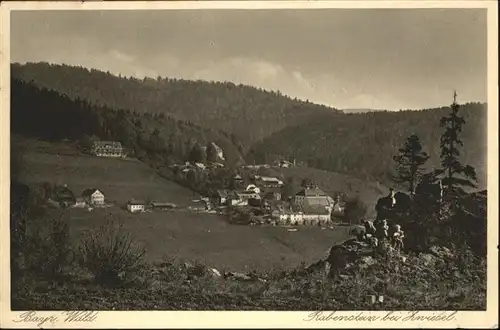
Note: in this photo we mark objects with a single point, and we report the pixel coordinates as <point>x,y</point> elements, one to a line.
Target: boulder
<point>214,272</point>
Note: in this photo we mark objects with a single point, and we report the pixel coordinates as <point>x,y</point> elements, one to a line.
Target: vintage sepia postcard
<point>257,164</point>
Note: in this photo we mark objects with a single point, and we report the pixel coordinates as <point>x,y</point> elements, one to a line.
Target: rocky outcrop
<point>344,256</point>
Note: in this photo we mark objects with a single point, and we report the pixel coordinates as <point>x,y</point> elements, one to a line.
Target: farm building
<point>267,182</point>
<point>162,205</point>
<point>107,149</point>
<point>136,206</point>
<point>63,196</point>
<point>248,194</point>
<point>236,199</point>
<point>93,197</point>
<point>79,202</point>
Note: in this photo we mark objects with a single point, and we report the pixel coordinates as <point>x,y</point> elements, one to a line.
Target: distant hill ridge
<point>248,112</point>
<point>267,125</point>
<point>363,144</point>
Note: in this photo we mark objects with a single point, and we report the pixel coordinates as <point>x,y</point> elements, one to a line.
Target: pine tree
<point>197,155</point>
<point>212,155</point>
<point>409,162</point>
<point>455,175</point>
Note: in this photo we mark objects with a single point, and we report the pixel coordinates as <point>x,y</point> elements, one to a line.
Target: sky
<point>346,58</point>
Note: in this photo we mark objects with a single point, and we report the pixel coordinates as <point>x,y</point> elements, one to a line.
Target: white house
<point>308,215</point>
<point>136,206</point>
<point>93,197</point>
<point>267,182</point>
<point>236,199</point>
<point>253,188</point>
<point>107,149</point>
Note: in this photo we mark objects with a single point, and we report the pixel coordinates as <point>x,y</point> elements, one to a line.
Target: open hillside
<point>247,112</point>
<point>364,144</point>
<point>119,179</point>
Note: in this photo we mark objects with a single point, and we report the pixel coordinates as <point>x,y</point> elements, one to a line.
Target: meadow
<point>211,240</point>
<point>119,179</point>
<point>207,238</point>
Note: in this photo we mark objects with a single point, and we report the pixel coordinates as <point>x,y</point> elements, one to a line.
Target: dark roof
<point>162,204</point>
<point>113,144</point>
<point>89,192</point>
<point>136,202</point>
<point>311,192</point>
<point>270,194</point>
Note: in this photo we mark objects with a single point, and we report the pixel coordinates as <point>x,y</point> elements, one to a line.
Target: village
<point>254,199</point>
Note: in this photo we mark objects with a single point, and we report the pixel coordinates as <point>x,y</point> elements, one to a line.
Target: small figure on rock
<point>397,238</point>
<point>392,195</point>
<point>381,230</point>
<point>373,242</point>
<point>369,227</point>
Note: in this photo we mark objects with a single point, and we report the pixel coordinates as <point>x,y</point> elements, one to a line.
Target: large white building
<point>107,149</point>
<point>307,215</point>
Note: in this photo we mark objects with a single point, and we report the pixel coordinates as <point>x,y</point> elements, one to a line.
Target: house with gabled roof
<point>136,206</point>
<point>313,196</point>
<point>93,197</point>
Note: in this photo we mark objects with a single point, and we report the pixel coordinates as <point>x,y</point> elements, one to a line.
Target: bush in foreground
<point>110,254</point>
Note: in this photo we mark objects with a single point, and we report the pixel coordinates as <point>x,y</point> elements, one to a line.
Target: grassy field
<point>119,179</point>
<point>211,240</point>
<point>181,234</point>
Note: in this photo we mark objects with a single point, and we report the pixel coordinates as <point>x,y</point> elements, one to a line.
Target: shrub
<point>110,254</point>
<point>355,210</point>
<point>40,238</point>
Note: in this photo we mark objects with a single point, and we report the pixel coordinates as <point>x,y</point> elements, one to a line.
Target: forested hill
<point>250,113</point>
<point>364,144</point>
<point>156,139</point>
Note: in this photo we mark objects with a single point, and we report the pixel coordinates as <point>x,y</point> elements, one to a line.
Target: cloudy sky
<point>346,58</point>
